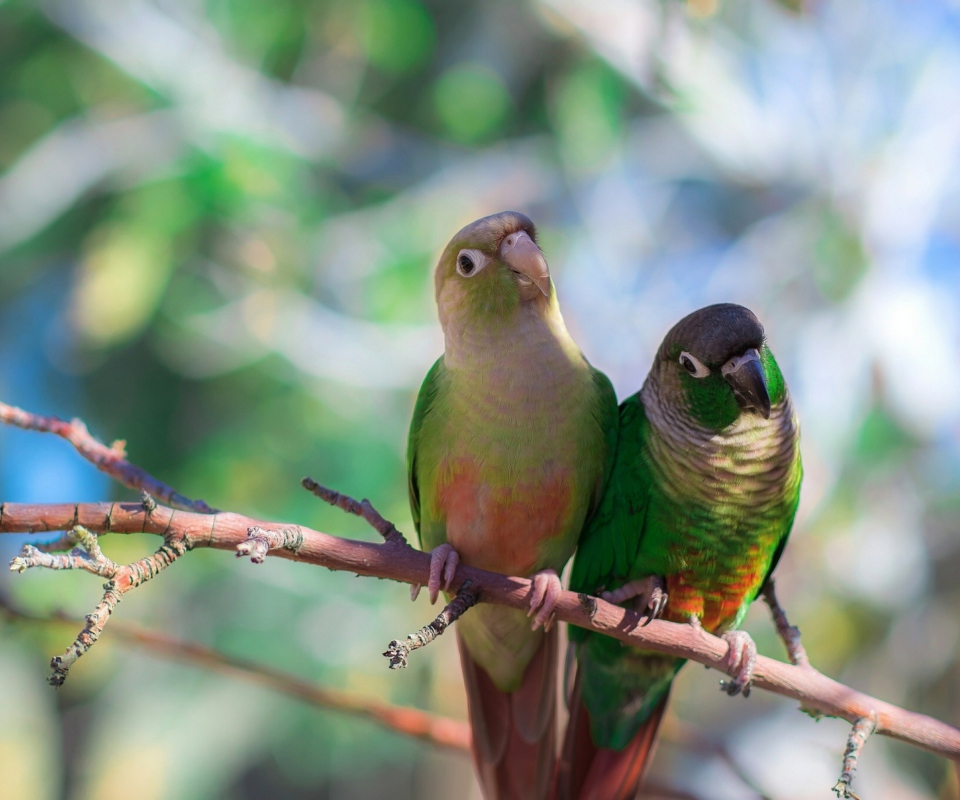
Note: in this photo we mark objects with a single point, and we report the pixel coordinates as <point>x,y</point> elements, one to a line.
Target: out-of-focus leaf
<point>471,102</point>
<point>396,35</point>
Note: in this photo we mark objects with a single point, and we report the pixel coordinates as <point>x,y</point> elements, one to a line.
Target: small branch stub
<point>261,541</point>
<point>861,731</point>
<point>147,501</point>
<point>398,652</point>
<point>588,604</point>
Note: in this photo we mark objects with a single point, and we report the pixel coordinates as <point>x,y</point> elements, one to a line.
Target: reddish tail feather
<point>514,734</point>
<point>588,772</point>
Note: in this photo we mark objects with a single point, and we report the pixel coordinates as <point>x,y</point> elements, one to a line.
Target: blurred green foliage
<point>217,227</point>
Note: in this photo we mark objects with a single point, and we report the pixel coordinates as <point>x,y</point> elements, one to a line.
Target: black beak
<point>745,375</point>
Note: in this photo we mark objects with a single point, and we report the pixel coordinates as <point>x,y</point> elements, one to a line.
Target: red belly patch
<point>715,602</point>
<point>505,528</point>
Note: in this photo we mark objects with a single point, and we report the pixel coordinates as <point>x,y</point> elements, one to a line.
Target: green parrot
<point>512,436</point>
<point>693,521</point>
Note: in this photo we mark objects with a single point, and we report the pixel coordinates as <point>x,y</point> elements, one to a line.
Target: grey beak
<point>745,375</point>
<point>521,254</point>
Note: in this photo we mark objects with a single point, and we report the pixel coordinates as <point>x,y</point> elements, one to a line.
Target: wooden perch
<point>394,559</point>
<point>398,562</point>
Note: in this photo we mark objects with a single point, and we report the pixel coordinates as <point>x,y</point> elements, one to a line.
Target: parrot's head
<point>716,363</point>
<point>492,268</point>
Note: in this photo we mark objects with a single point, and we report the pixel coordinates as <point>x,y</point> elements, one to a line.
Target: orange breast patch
<point>505,528</point>
<point>717,606</point>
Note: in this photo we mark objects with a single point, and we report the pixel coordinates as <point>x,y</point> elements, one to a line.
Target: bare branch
<point>861,731</point>
<point>111,460</point>
<point>363,509</point>
<point>790,634</point>
<point>398,651</point>
<point>439,731</point>
<point>225,531</point>
<point>89,557</point>
<point>395,560</point>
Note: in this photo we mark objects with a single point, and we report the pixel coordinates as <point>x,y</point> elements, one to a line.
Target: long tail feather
<point>514,734</point>
<point>588,772</point>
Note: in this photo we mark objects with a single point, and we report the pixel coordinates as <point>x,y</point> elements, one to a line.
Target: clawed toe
<point>544,593</point>
<point>650,593</point>
<point>657,602</point>
<point>740,662</point>
<point>443,567</point>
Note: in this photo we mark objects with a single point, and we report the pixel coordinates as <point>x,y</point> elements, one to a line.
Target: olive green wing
<point>426,403</point>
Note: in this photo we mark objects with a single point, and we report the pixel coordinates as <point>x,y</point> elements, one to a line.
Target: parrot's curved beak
<point>745,374</point>
<point>523,257</point>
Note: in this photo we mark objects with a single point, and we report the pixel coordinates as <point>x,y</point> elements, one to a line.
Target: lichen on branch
<point>399,651</point>
<point>121,578</point>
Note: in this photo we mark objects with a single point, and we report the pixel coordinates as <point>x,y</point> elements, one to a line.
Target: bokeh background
<point>218,220</point>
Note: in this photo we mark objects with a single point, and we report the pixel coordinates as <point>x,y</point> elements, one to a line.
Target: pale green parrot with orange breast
<point>511,441</point>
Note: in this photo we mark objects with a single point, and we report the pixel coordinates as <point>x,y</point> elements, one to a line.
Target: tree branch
<point>107,459</point>
<point>861,731</point>
<point>391,560</point>
<point>436,730</point>
<point>394,559</point>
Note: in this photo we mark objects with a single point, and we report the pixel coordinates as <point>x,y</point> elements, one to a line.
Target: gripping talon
<point>740,662</point>
<point>650,593</point>
<point>443,564</point>
<point>544,593</point>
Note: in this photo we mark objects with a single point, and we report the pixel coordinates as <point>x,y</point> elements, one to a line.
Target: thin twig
<point>120,580</point>
<point>398,651</point>
<point>859,734</point>
<point>111,460</point>
<point>436,730</point>
<point>790,634</point>
<point>362,508</point>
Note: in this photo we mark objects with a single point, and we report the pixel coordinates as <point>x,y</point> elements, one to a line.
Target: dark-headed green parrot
<point>512,437</point>
<point>693,521</point>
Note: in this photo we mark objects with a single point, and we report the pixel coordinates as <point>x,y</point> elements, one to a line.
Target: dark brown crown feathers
<point>714,334</point>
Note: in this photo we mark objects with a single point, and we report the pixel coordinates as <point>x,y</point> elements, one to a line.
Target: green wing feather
<point>608,420</point>
<point>425,402</point>
<point>611,538</point>
<point>620,685</point>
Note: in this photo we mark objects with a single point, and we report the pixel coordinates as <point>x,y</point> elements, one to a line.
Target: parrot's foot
<point>740,661</point>
<point>650,594</point>
<point>443,565</point>
<point>544,593</point>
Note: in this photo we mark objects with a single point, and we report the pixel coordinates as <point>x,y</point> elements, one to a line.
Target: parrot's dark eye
<point>692,365</point>
<point>470,262</point>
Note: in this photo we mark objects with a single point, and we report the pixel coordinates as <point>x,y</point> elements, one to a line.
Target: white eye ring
<point>470,262</point>
<point>692,365</point>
